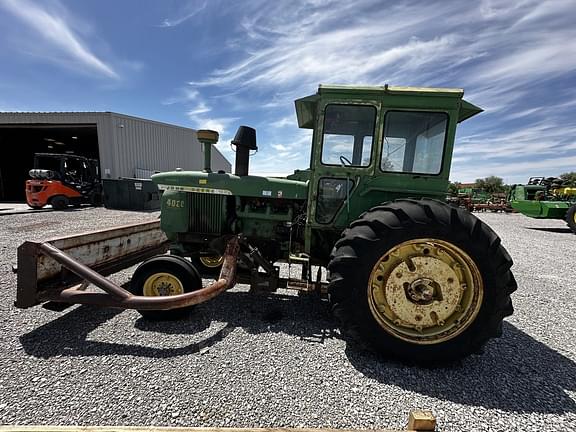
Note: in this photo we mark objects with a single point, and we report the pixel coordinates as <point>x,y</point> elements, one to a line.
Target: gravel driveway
<point>278,361</point>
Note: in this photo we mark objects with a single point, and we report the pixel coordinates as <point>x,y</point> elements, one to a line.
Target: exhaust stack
<point>245,140</point>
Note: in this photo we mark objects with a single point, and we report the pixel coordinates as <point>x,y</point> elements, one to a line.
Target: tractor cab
<point>375,144</point>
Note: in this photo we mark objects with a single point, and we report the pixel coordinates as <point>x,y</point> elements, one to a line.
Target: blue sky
<point>220,64</point>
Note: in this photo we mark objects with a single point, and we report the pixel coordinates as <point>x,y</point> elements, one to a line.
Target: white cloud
<point>201,108</point>
<point>59,35</point>
<point>190,11</point>
<point>518,172</point>
<point>279,147</point>
<point>504,54</point>
<point>284,121</point>
<point>184,95</point>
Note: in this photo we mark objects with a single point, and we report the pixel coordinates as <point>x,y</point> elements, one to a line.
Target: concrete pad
<point>17,208</point>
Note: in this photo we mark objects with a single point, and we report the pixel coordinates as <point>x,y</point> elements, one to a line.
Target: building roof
<point>11,116</point>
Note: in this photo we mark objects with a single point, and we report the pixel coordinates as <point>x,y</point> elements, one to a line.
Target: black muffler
<point>245,140</point>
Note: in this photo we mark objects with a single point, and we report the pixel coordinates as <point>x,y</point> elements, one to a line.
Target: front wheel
<point>165,275</point>
<point>421,281</point>
<point>59,202</point>
<point>571,218</point>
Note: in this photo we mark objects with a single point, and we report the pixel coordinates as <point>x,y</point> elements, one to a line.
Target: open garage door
<point>20,142</point>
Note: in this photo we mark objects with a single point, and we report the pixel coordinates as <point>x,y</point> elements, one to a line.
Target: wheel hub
<point>212,261</point>
<point>422,291</point>
<point>425,291</point>
<point>162,284</point>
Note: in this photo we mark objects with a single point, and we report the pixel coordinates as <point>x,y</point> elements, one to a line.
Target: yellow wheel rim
<point>212,261</point>
<point>162,284</point>
<point>425,291</point>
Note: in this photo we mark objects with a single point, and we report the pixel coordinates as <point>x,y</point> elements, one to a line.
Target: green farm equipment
<point>409,276</point>
<point>546,198</point>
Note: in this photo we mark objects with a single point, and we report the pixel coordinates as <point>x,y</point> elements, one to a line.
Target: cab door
<point>343,157</point>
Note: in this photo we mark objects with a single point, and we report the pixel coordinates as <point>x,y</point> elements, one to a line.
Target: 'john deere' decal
<point>194,189</point>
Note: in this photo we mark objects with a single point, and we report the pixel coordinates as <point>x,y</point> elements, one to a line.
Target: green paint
<point>524,199</point>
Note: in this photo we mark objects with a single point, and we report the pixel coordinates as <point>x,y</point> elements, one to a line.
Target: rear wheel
<point>59,202</point>
<point>571,218</point>
<point>421,281</point>
<point>165,275</point>
<point>95,199</point>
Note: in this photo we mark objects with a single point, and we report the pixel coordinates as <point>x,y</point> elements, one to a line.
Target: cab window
<point>332,194</point>
<point>413,142</point>
<point>348,135</point>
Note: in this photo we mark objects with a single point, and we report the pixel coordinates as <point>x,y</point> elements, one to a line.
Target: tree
<point>491,184</point>
<point>569,177</point>
<point>453,188</point>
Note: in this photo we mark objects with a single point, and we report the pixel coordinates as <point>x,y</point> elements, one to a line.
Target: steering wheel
<point>345,161</point>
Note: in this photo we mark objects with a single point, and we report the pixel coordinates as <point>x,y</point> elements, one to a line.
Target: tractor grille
<point>207,213</point>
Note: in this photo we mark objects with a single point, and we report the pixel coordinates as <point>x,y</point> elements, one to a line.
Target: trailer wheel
<point>571,218</point>
<point>208,265</point>
<point>421,281</point>
<point>165,275</point>
<point>59,202</point>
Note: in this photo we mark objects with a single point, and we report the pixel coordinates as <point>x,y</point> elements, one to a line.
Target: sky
<point>219,64</point>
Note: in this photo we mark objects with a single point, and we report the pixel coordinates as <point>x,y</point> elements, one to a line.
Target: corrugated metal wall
<point>130,145</point>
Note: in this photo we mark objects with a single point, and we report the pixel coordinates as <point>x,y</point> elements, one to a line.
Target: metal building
<point>126,146</point>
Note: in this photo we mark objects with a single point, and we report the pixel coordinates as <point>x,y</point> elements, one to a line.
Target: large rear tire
<point>165,275</point>
<point>420,281</point>
<point>571,218</point>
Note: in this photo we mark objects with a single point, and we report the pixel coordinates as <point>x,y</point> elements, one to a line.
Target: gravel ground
<point>278,361</point>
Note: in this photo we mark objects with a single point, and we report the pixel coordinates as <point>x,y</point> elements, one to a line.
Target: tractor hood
<point>229,184</point>
<point>392,97</point>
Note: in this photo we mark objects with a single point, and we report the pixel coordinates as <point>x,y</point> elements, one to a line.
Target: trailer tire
<point>571,218</point>
<point>170,273</point>
<point>396,268</point>
<point>59,202</point>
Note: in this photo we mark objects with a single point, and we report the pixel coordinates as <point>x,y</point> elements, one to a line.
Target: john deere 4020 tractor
<point>408,275</point>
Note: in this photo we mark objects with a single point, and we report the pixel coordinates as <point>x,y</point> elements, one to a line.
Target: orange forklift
<point>62,180</point>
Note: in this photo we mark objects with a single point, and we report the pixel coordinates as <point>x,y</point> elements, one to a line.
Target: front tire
<point>420,281</point>
<point>59,202</point>
<point>571,218</point>
<point>165,275</point>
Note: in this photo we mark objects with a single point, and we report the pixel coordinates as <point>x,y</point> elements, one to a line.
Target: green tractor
<point>545,198</point>
<point>408,275</point>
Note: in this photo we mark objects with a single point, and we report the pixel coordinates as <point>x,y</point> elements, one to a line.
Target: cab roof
<point>306,106</point>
